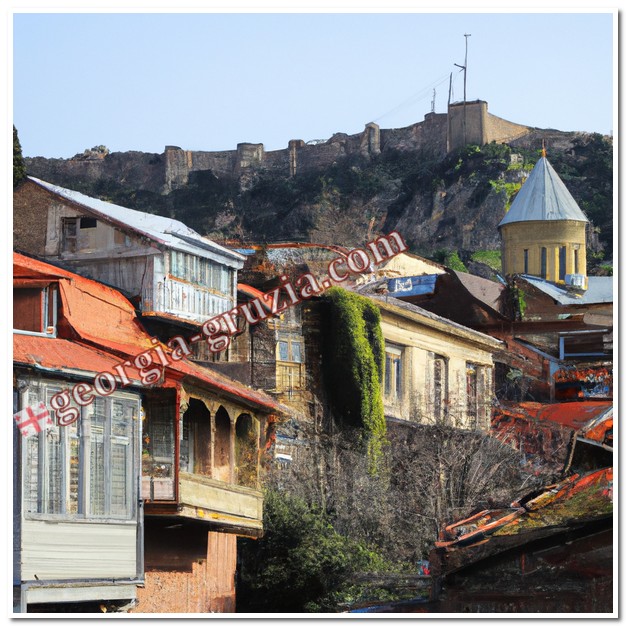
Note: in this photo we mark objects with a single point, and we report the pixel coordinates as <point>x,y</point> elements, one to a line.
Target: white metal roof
<point>599,290</point>
<point>543,197</point>
<point>163,230</point>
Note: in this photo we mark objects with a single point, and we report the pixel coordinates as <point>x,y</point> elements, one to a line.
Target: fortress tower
<point>543,233</point>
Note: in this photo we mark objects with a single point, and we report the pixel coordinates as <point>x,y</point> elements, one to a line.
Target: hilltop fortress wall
<point>438,133</point>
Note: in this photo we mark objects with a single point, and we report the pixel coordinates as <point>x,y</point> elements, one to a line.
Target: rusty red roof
<point>576,415</point>
<point>592,420</point>
<point>264,298</point>
<point>64,356</point>
<point>103,318</point>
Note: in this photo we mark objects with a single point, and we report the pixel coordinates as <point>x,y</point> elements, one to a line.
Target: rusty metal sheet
<point>64,356</point>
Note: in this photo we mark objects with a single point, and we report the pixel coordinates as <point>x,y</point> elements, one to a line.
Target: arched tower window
<point>562,262</point>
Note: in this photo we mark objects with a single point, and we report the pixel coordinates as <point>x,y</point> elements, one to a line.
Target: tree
<point>19,166</point>
<point>302,563</point>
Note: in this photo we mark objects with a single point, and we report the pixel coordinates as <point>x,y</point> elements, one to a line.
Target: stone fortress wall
<point>464,123</point>
<point>440,133</point>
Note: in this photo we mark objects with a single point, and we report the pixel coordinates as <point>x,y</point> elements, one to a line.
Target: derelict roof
<point>162,230</point>
<point>592,418</point>
<point>418,314</point>
<point>599,290</point>
<point>543,197</point>
<point>102,317</point>
<point>486,291</point>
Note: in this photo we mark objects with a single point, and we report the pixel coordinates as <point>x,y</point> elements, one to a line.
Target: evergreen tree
<point>19,166</point>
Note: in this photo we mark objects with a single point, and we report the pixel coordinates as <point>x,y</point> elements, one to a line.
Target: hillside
<point>440,202</point>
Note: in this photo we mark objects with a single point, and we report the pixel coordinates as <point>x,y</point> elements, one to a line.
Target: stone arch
<point>222,453</point>
<point>246,450</point>
<point>195,451</point>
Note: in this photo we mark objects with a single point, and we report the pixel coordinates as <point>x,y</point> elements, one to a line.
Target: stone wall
<point>30,217</point>
<point>438,133</point>
<point>471,123</point>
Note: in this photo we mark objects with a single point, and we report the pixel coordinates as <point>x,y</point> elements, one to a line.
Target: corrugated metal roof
<point>412,285</point>
<point>599,290</point>
<point>576,415</point>
<point>162,230</point>
<point>543,197</point>
<point>64,356</point>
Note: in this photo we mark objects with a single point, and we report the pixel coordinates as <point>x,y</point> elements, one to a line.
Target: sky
<point>208,81</point>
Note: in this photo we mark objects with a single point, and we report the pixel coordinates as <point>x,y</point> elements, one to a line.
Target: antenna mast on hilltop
<point>464,68</point>
<point>432,104</point>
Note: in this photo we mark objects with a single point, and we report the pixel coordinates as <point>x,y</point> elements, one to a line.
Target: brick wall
<point>209,586</point>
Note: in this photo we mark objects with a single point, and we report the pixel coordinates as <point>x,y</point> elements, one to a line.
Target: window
<point>544,262</point>
<point>289,362</point>
<point>86,469</point>
<point>472,395</point>
<point>393,373</point>
<point>576,261</point>
<point>439,388</point>
<point>35,310</point>
<point>201,271</point>
<point>525,261</point>
<point>69,234</point>
<point>157,452</point>
<point>88,222</point>
<point>562,262</point>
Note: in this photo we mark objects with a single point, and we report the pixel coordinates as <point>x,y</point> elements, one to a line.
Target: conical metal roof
<point>543,197</point>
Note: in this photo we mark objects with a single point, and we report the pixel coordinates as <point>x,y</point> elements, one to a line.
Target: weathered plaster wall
<point>420,346</point>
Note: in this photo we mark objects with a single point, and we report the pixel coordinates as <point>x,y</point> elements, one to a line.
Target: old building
<point>150,468</point>
<point>544,232</point>
<point>175,278</point>
<point>436,371</point>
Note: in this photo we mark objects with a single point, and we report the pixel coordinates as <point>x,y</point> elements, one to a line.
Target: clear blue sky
<point>209,81</point>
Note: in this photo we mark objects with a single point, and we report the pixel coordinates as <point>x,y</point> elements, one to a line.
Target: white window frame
<point>42,391</point>
<point>49,325</point>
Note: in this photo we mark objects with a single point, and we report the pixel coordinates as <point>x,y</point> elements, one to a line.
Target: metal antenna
<point>464,68</point>
<point>432,104</point>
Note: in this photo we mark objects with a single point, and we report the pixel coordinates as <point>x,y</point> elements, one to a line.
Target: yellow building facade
<point>436,371</point>
<point>544,232</point>
<point>550,250</point>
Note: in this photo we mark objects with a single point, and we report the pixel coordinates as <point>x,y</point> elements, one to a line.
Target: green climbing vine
<point>519,301</point>
<point>354,362</point>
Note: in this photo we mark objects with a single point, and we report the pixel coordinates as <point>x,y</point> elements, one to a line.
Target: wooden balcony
<point>234,507</point>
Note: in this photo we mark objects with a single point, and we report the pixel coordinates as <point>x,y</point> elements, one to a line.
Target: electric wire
<point>424,92</point>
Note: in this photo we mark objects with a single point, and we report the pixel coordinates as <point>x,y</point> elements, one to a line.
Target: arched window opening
<point>246,450</point>
<point>221,450</point>
<point>195,447</point>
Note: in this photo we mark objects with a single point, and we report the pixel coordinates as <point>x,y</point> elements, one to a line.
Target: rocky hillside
<point>440,203</point>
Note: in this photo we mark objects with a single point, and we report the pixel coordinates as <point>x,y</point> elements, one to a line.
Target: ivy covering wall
<point>354,360</point>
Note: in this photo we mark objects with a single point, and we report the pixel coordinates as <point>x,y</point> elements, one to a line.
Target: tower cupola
<point>544,232</point>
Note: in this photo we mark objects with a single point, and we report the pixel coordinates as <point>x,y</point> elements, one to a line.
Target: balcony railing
<point>208,499</point>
